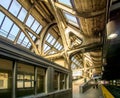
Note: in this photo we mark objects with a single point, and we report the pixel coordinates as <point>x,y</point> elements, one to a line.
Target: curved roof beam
<point>43,35</point>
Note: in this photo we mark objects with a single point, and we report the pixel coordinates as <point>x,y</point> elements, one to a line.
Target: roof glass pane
<point>73,66</point>
<point>29,44</point>
<point>71,19</point>
<point>66,2</point>
<point>57,47</point>
<point>1,18</point>
<point>48,35</point>
<point>53,41</point>
<point>39,29</point>
<point>6,24</point>
<point>46,47</point>
<point>5,3</point>
<point>13,33</point>
<point>72,58</point>
<point>52,52</point>
<point>29,21</point>
<point>15,7</point>
<point>22,35</point>
<point>32,36</point>
<point>22,14</point>
<point>60,48</point>
<point>3,33</point>
<point>35,26</point>
<point>25,42</point>
<point>50,39</point>
<point>56,44</point>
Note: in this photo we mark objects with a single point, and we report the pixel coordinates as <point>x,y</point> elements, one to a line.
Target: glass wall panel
<point>63,81</point>
<point>25,80</point>
<point>5,78</point>
<point>55,81</point>
<point>41,72</point>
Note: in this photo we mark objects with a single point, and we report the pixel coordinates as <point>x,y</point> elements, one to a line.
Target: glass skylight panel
<point>50,39</point>
<point>3,33</point>
<point>61,47</point>
<point>35,25</point>
<point>1,17</point>
<point>6,26</point>
<point>39,29</point>
<point>73,66</point>
<point>72,58</point>
<point>21,37</point>
<point>32,36</point>
<point>15,8</point>
<point>25,42</point>
<point>52,52</point>
<point>29,44</point>
<point>30,21</point>
<point>71,19</point>
<point>66,2</point>
<point>48,35</point>
<point>56,44</point>
<point>13,33</point>
<point>46,47</point>
<point>22,14</point>
<point>5,3</point>
<point>53,41</point>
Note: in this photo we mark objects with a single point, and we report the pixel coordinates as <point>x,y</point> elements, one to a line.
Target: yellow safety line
<point>106,93</point>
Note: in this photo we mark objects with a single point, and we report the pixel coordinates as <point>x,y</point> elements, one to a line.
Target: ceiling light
<point>112,36</point>
<point>111,30</point>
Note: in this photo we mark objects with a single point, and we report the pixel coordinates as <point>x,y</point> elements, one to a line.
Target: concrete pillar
<point>49,79</point>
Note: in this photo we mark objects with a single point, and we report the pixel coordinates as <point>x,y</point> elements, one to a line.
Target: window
<point>25,80</point>
<point>55,81</point>
<point>5,78</point>
<point>41,72</point>
<point>1,83</point>
<point>63,81</point>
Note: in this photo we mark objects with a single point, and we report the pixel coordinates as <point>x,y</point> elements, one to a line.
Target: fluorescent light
<point>112,36</point>
<point>111,30</point>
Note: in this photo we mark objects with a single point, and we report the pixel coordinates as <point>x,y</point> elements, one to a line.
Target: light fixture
<point>112,36</point>
<point>111,30</point>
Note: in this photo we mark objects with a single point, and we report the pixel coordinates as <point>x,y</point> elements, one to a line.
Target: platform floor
<point>90,93</point>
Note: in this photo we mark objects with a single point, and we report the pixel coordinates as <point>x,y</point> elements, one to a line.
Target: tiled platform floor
<point>90,93</point>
